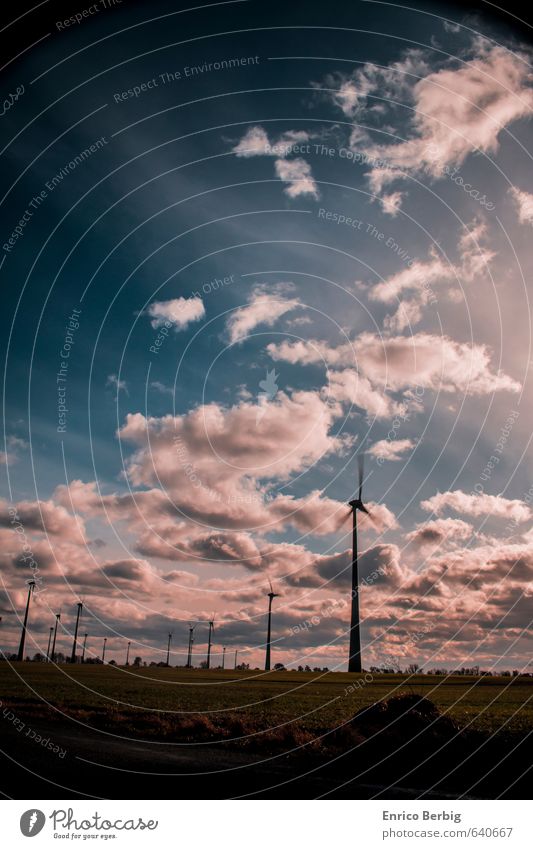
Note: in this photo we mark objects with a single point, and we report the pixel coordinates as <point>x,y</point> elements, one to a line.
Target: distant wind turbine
<point>31,587</point>
<point>168,648</point>
<point>354,659</point>
<point>75,642</point>
<point>58,617</point>
<point>191,641</point>
<point>271,596</point>
<point>210,640</point>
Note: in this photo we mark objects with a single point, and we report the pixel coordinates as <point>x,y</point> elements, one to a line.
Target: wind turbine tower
<point>271,596</point>
<point>73,655</point>
<point>210,640</point>
<point>58,617</point>
<point>191,641</point>
<point>354,660</point>
<point>31,587</point>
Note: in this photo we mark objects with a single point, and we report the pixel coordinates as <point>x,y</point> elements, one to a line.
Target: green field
<point>158,701</point>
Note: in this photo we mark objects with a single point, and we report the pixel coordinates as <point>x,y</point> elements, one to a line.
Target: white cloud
<point>179,311</point>
<point>478,505</point>
<point>264,306</point>
<point>393,450</point>
<point>524,204</point>
<point>297,174</point>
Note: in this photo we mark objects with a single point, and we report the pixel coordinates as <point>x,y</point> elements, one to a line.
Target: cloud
<point>524,204</point>
<point>13,445</point>
<point>297,174</point>
<point>263,307</point>
<point>254,143</point>
<point>44,517</point>
<point>387,449</point>
<point>119,385</point>
<point>434,533</point>
<point>179,312</point>
<point>391,203</point>
<point>398,363</point>
<point>456,110</point>
<point>478,505</point>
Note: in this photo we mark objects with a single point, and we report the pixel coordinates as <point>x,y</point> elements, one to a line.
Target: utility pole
<point>73,655</point>
<point>31,587</point>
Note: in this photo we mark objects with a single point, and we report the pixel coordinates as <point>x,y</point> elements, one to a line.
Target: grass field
<point>157,701</point>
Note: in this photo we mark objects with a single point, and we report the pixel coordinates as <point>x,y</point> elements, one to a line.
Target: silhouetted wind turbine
<point>31,587</point>
<point>271,596</point>
<point>191,641</point>
<point>49,641</point>
<point>103,650</point>
<point>168,648</point>
<point>354,659</point>
<point>128,653</point>
<point>84,647</point>
<point>224,657</point>
<point>58,617</point>
<point>73,655</point>
<point>209,640</point>
<point>235,666</point>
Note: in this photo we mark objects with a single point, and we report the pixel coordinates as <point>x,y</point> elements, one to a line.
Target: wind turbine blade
<point>270,583</point>
<point>361,467</point>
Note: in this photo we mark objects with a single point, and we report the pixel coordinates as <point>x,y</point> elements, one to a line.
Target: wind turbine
<point>271,596</point>
<point>73,655</point>
<point>209,640</point>
<point>49,641</point>
<point>31,587</point>
<point>58,617</point>
<point>354,659</point>
<point>191,641</point>
<point>103,650</point>
<point>168,648</point>
<point>84,647</point>
<point>224,657</point>
<point>128,653</point>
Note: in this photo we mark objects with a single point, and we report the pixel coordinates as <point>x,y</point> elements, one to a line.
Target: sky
<point>241,246</point>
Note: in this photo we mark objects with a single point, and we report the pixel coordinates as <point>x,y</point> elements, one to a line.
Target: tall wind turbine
<point>49,641</point>
<point>103,650</point>
<point>74,644</point>
<point>271,596</point>
<point>191,641</point>
<point>168,648</point>
<point>354,660</point>
<point>210,640</point>
<point>31,587</point>
<point>128,653</point>
<point>84,648</point>
<point>58,617</point>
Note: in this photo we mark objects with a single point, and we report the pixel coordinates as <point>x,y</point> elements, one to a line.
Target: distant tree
<point>112,663</point>
<point>307,669</point>
<point>138,661</point>
<point>279,667</point>
<point>300,669</point>
<point>243,667</point>
<point>412,669</point>
<point>38,657</point>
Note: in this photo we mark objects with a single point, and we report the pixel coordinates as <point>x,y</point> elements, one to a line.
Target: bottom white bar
<point>262,824</point>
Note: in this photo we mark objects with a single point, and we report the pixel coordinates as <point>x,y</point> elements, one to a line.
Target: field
<point>232,719</point>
